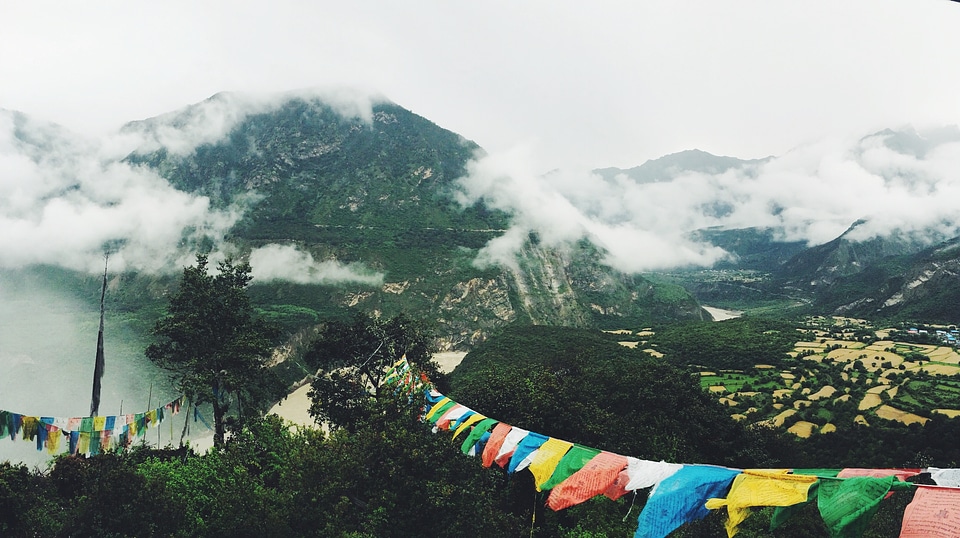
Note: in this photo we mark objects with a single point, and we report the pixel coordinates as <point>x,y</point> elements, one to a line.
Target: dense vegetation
<point>388,475</point>
<point>737,343</point>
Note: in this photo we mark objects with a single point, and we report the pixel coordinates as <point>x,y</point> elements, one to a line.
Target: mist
<point>66,200</point>
<point>896,181</point>
<point>48,341</point>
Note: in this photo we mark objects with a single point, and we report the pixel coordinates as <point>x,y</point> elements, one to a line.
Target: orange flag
<point>492,448</point>
<point>593,479</point>
<point>933,513</point>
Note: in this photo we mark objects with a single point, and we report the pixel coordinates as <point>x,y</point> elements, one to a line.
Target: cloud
<point>286,262</point>
<point>897,181</point>
<point>66,199</point>
<point>180,132</point>
<point>62,202</point>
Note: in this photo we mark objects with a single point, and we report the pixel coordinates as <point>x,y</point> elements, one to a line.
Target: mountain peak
<point>670,166</point>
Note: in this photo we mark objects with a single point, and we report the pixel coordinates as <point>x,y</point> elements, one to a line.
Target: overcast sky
<point>558,87</point>
<point>573,83</point>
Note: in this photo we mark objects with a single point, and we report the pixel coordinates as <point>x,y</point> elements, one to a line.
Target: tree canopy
<point>213,343</point>
<point>581,386</point>
<point>352,358</point>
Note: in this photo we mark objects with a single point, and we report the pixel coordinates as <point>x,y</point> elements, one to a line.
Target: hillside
<point>379,191</point>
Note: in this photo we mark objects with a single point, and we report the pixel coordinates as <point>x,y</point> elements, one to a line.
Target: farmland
<point>839,373</point>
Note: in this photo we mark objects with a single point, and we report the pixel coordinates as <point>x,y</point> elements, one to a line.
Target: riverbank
<point>720,314</point>
<point>294,408</point>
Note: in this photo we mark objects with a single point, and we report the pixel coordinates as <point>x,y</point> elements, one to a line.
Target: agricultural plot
<point>832,383</point>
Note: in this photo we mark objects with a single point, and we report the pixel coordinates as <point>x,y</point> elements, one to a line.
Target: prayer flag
<point>497,436</point>
<point>847,505</point>
<point>933,513</point>
<point>680,499</point>
<point>943,477</point>
<point>760,488</point>
<point>546,459</point>
<point>591,480</point>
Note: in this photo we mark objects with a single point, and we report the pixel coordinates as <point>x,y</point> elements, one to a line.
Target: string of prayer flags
<point>753,488</point>
<point>846,498</point>
<point>85,435</point>
<point>934,512</point>
<point>406,379</point>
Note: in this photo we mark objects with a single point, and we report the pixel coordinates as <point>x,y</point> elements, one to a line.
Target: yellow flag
<point>546,459</point>
<point>53,441</point>
<point>769,487</point>
<point>471,420</point>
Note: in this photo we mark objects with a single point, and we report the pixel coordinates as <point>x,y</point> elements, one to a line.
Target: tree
<point>352,358</point>
<point>212,341</point>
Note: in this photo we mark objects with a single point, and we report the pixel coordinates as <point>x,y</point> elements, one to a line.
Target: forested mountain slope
<point>379,191</point>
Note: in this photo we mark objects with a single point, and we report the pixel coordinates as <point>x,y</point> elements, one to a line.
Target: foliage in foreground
<point>388,475</point>
<point>392,478</point>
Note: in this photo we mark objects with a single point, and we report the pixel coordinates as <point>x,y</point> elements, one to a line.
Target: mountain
<point>379,191</point>
<point>670,166</point>
<point>822,265</point>
<point>899,276</point>
<point>758,249</point>
<point>921,287</point>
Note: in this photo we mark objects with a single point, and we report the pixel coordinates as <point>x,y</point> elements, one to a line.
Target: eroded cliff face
<point>544,288</point>
<point>559,287</point>
<point>469,311</point>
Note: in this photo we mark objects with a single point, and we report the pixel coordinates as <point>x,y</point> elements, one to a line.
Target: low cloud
<point>897,181</point>
<point>286,262</point>
<point>65,200</point>
<point>182,131</point>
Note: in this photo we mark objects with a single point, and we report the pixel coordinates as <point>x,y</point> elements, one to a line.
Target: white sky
<point>589,84</point>
<point>542,86</point>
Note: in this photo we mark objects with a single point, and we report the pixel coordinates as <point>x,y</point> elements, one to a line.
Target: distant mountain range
<point>378,191</point>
